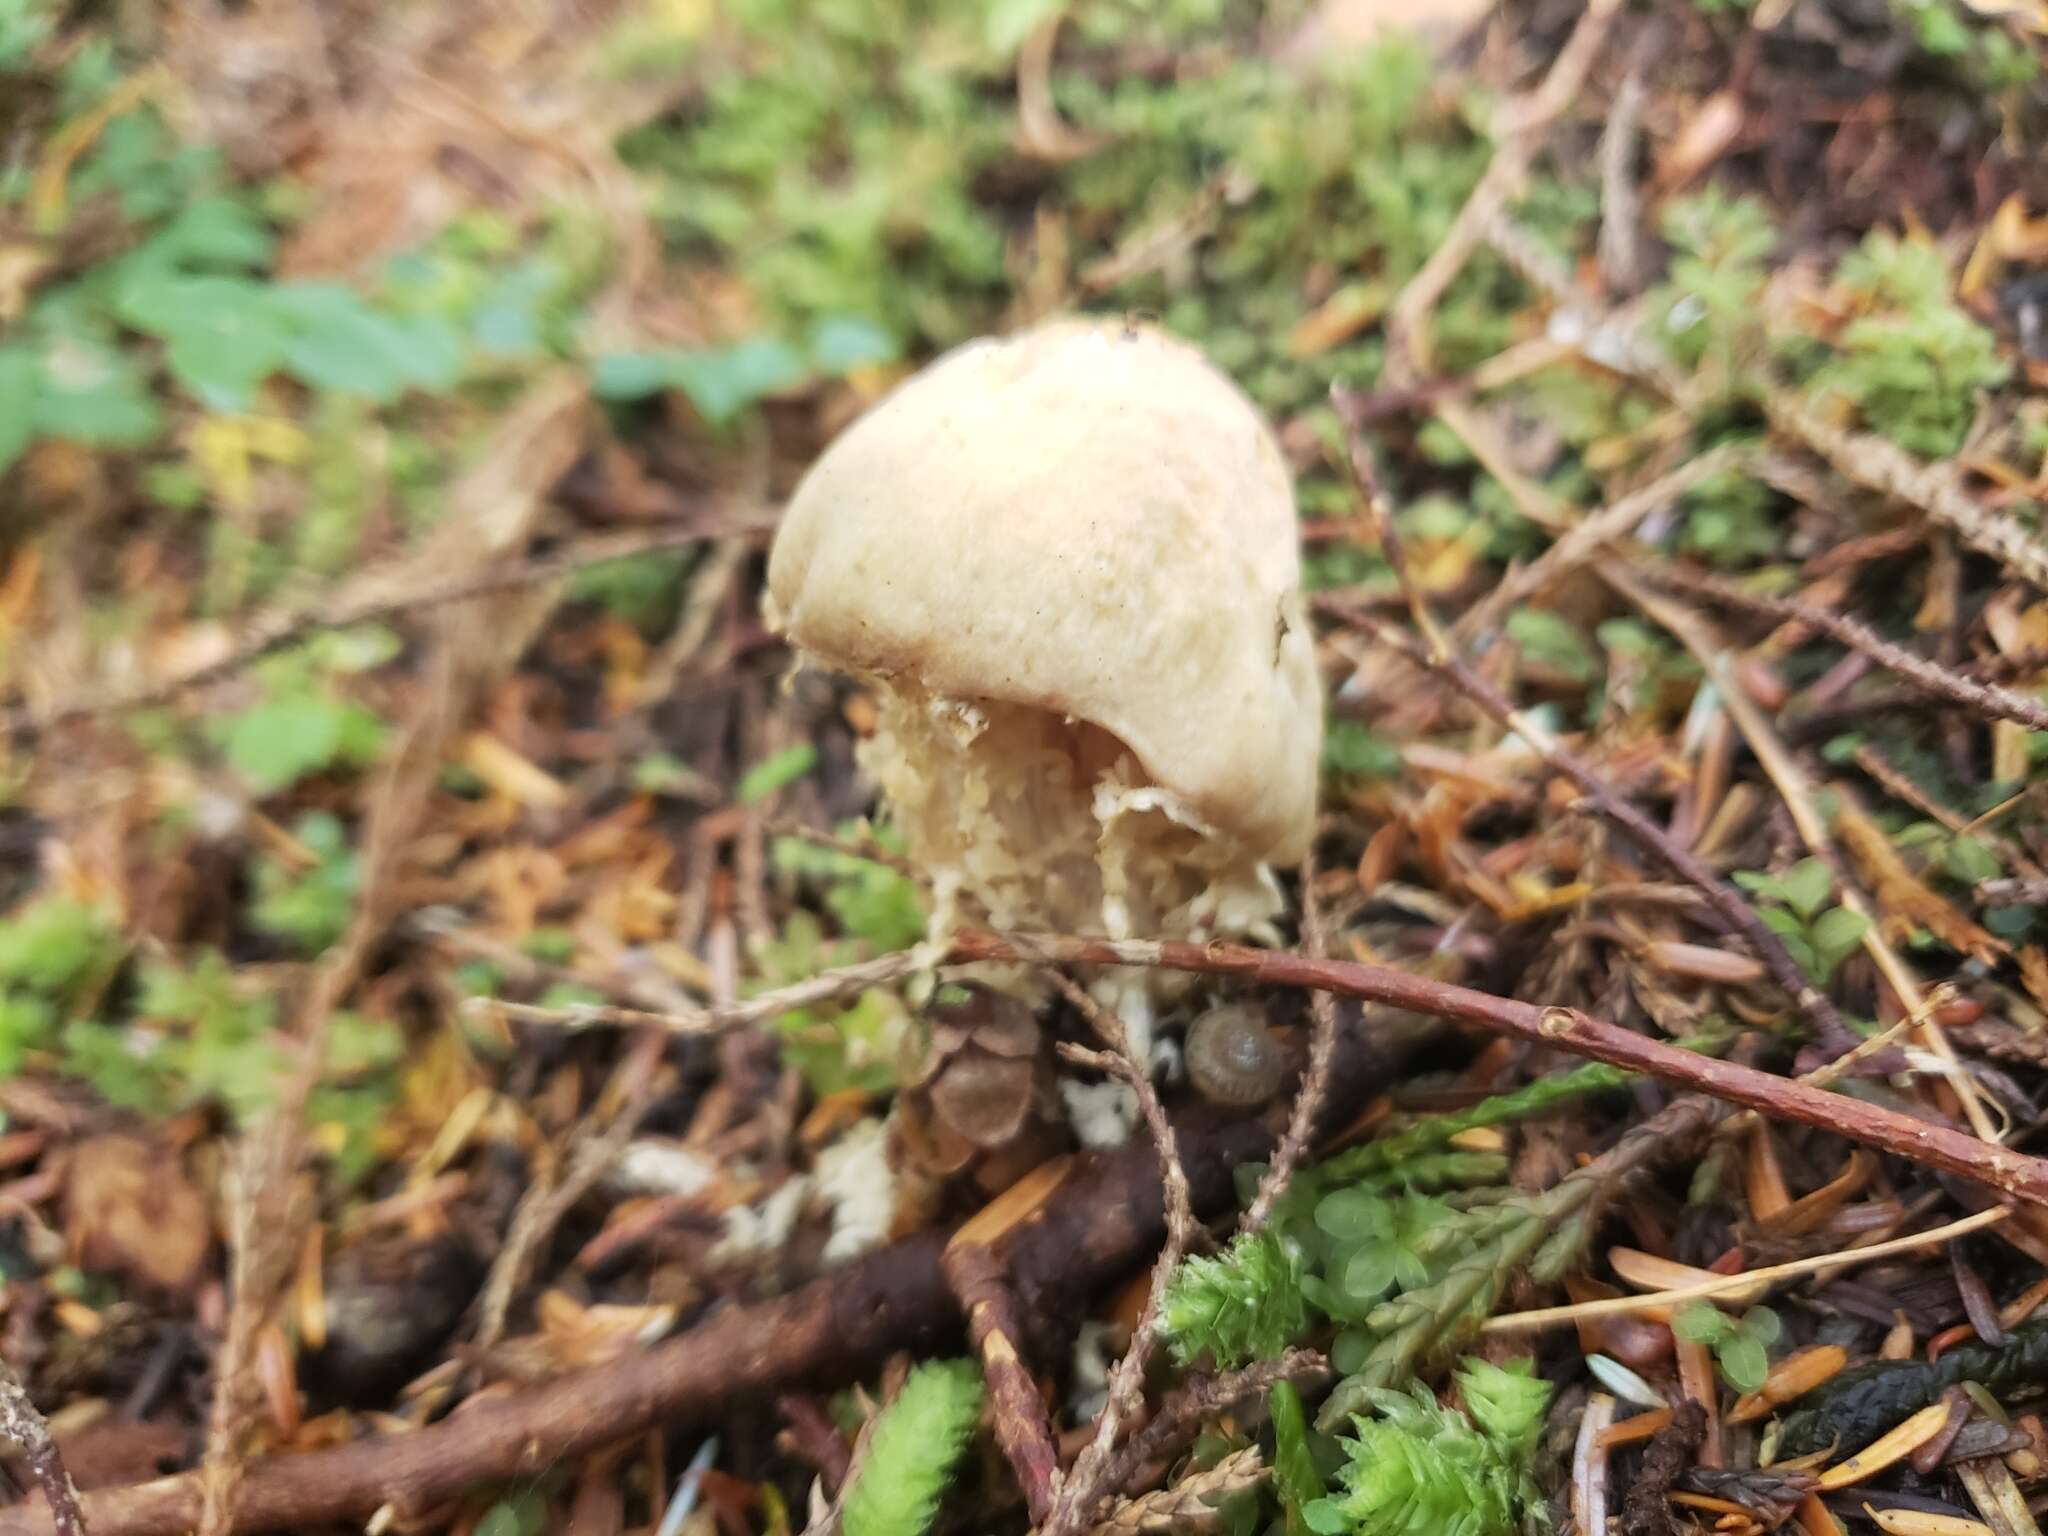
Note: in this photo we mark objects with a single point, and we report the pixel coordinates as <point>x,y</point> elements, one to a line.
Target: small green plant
<point>305,725</point>
<point>1741,1345</point>
<point>1818,936</point>
<point>913,1450</point>
<point>1348,1232</point>
<point>50,951</point>
<point>1729,520</point>
<point>1706,310</point>
<point>1417,1468</point>
<point>1912,360</point>
<point>309,906</point>
<point>1351,750</point>
<point>1245,1304</point>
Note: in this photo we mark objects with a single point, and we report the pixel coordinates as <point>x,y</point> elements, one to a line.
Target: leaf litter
<point>466,1035</point>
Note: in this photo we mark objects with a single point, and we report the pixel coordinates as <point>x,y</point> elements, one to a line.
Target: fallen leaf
<point>129,1209</point>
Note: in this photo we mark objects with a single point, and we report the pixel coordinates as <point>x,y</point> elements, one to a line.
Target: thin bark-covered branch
<point>1988,699</point>
<point>1566,1029</point>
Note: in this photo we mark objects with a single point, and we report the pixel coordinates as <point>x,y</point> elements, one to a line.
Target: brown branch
<point>1936,489</point>
<point>1565,1029</point>
<point>1527,121</point>
<point>22,1424</point>
<point>1186,1409</point>
<point>1022,1427</point>
<point>1991,699</point>
<point>1103,1218</point>
<point>2012,893</point>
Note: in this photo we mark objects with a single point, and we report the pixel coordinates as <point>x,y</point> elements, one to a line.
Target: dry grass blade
<point>1745,1284</point>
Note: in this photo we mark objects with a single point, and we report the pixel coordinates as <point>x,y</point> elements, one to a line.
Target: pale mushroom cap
<point>1087,519</point>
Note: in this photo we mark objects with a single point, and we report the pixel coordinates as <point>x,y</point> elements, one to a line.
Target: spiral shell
<point>1231,1057</point>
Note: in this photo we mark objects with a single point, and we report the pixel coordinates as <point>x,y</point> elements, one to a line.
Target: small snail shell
<point>1232,1059</point>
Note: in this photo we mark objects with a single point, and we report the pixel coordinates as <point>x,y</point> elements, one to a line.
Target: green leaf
<point>19,376</point>
<point>1350,748</point>
<point>723,384</point>
<point>1701,1322</point>
<point>846,342</point>
<point>1970,861</point>
<point>1806,885</point>
<point>214,231</point>
<point>341,344</point>
<point>94,395</point>
<point>1782,921</point>
<point>1762,1324</point>
<point>1744,1362</point>
<point>775,772</point>
<point>275,745</point>
<point>1555,642</point>
<point>26,1024</point>
<point>55,943</point>
<point>1294,1465</point>
<point>1369,1272</point>
<point>1835,935</point>
<point>631,375</point>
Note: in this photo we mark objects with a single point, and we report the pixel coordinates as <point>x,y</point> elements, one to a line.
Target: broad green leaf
<point>340,343</point>
<point>1701,1322</point>
<point>846,342</point>
<point>1970,861</point>
<point>19,376</point>
<point>1835,934</point>
<point>93,394</point>
<point>276,744</point>
<point>723,384</point>
<point>1743,1361</point>
<point>1806,886</point>
<point>215,231</point>
<point>774,772</point>
<point>631,375</point>
<point>1762,1324</point>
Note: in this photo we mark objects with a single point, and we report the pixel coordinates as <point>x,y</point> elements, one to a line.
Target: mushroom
<point>1067,564</point>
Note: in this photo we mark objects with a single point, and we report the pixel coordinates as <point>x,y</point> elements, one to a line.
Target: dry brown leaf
<point>1905,901</point>
<point>129,1208</point>
<point>1705,136</point>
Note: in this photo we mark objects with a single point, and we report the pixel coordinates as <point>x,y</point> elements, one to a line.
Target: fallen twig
<point>1990,699</point>
<point>1936,489</point>
<point>1544,1317</point>
<point>1566,1029</point>
<point>1022,1427</point>
<point>2013,893</point>
<point>20,1423</point>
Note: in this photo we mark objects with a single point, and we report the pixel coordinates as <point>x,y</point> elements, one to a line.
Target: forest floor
<point>419,1108</point>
